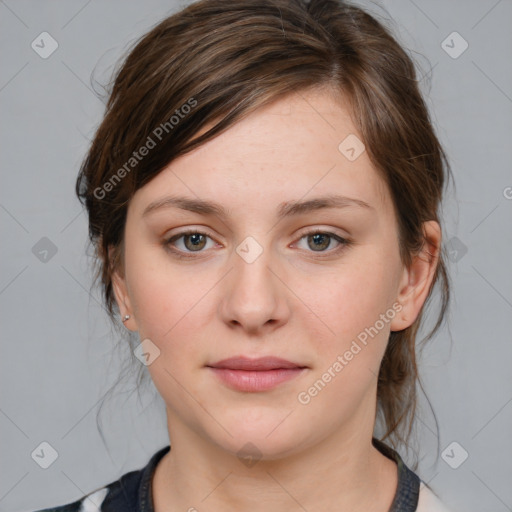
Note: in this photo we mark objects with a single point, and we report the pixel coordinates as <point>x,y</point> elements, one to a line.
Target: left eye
<point>318,241</point>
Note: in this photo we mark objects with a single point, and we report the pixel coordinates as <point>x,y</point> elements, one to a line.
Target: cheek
<point>161,303</point>
<point>349,300</point>
<point>354,312</point>
<point>350,339</point>
<point>163,294</point>
<point>173,307</point>
<point>171,310</point>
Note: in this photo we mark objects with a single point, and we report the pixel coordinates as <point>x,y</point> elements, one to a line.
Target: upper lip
<point>261,363</point>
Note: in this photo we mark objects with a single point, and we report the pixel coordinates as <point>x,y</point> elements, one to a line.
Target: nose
<point>254,297</point>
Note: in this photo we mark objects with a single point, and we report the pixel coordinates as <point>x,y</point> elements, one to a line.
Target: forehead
<point>300,146</point>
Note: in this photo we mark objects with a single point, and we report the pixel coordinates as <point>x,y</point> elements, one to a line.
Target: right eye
<point>193,241</point>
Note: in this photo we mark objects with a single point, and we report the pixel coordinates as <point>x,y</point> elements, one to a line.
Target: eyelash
<point>344,242</point>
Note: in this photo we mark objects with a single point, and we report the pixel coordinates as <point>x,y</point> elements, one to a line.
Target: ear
<point>417,278</point>
<point>120,289</point>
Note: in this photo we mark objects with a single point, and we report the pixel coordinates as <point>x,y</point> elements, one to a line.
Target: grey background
<point>59,352</point>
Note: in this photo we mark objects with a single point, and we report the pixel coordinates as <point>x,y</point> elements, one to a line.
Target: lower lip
<point>246,380</point>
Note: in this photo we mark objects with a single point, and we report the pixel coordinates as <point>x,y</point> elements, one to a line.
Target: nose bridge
<point>253,297</point>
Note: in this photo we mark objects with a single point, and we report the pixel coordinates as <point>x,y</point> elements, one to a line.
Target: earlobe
<point>122,297</point>
<point>417,279</point>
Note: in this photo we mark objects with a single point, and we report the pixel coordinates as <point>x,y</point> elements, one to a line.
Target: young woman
<point>263,198</point>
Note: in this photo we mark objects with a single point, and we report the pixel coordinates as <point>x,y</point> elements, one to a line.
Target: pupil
<point>318,238</point>
<point>194,240</point>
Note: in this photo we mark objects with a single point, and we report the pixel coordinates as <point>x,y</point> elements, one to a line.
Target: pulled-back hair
<point>217,61</point>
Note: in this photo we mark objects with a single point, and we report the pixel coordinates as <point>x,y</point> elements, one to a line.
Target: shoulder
<point>429,502</point>
<point>127,494</point>
<point>116,496</point>
<point>91,502</point>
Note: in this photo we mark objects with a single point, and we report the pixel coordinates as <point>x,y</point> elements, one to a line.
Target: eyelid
<point>189,231</point>
<point>311,230</point>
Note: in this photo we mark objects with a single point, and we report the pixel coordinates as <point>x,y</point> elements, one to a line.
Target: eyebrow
<point>285,209</point>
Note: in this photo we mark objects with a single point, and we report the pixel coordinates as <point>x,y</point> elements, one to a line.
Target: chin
<point>269,438</point>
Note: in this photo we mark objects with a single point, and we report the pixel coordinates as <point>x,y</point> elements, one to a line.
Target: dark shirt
<point>132,492</point>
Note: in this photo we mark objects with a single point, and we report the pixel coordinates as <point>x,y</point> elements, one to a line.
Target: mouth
<point>255,375</point>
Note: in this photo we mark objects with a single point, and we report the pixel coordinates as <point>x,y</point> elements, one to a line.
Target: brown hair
<point>223,59</point>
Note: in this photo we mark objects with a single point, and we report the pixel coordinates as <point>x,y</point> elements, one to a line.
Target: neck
<point>345,472</point>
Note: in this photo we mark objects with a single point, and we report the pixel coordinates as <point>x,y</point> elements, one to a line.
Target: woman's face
<point>257,282</point>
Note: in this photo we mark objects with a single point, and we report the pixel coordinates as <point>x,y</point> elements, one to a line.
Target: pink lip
<point>264,373</point>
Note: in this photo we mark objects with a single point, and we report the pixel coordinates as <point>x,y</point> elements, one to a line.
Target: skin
<point>294,301</point>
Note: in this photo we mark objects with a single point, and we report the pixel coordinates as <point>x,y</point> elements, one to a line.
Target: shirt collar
<point>408,488</point>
